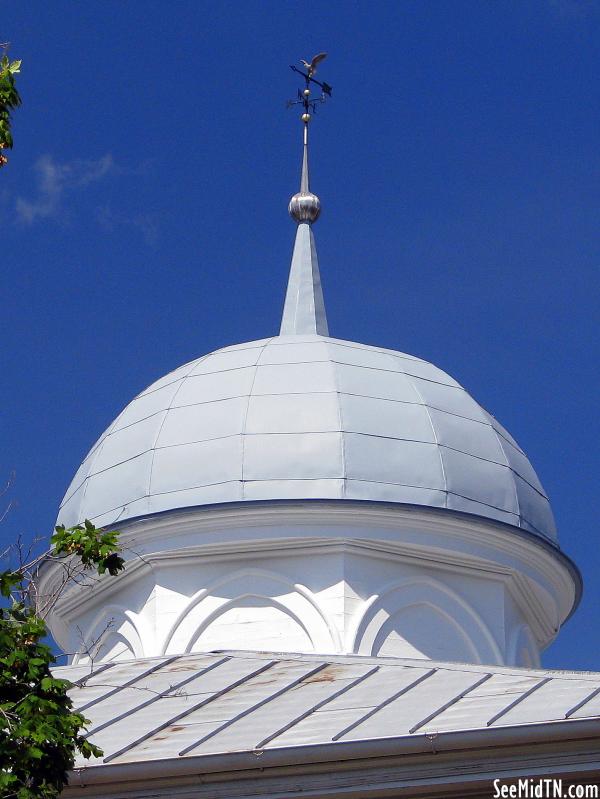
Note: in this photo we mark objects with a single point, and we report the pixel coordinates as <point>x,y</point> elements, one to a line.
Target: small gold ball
<point>305,117</point>
<point>306,92</point>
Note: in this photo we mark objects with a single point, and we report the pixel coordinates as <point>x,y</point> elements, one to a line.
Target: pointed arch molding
<point>401,597</point>
<point>269,589</point>
<point>114,625</point>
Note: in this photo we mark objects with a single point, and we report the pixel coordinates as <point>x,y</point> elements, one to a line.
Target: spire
<point>304,308</point>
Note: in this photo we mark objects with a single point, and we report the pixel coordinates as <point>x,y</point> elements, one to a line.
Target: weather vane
<point>304,98</point>
<point>305,206</point>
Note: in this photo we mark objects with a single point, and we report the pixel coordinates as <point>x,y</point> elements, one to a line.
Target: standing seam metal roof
<point>301,417</point>
<point>218,702</point>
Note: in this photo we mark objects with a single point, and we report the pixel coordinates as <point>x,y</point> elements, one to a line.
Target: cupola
<point>302,493</point>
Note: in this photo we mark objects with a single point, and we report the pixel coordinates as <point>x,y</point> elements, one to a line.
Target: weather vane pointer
<point>304,98</point>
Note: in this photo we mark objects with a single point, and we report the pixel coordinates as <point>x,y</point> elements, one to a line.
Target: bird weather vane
<point>310,104</point>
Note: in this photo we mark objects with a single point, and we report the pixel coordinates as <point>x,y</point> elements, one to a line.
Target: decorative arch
<point>441,624</point>
<point>247,599</point>
<point>269,615</point>
<point>113,635</point>
<point>115,646</point>
<point>423,630</point>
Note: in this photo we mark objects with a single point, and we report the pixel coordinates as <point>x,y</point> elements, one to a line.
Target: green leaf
<point>9,580</point>
<point>40,735</point>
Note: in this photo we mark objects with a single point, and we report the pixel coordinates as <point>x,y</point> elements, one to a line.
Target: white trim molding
<point>326,576</point>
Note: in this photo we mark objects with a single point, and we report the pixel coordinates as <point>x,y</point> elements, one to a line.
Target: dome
<point>306,417</point>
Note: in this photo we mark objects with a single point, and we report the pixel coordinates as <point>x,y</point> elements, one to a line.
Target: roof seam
<point>128,683</point>
<point>80,683</point>
<point>517,701</point>
<point>316,707</point>
<point>435,443</point>
<point>188,710</point>
<point>245,420</point>
<point>150,390</point>
<point>341,423</point>
<point>137,421</point>
<point>384,703</point>
<point>537,532</point>
<point>583,702</point>
<point>330,391</point>
<point>514,485</point>
<point>399,371</point>
<point>350,345</point>
<point>434,431</point>
<point>151,700</point>
<point>251,708</point>
<point>449,703</point>
<point>328,479</point>
<point>166,413</point>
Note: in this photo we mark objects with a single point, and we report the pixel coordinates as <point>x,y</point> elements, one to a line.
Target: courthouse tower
<point>302,493</point>
<point>338,564</point>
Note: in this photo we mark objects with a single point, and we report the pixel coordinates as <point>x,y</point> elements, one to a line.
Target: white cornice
<point>453,542</point>
<point>303,513</point>
<point>326,513</point>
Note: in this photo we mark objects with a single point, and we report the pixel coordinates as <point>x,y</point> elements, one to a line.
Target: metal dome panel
<point>306,417</point>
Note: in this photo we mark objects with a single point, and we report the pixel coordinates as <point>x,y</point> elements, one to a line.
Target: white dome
<point>306,417</point>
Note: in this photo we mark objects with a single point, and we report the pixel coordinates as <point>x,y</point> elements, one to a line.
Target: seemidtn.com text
<point>544,788</point>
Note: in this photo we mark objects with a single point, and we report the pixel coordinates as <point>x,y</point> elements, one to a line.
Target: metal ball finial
<point>305,207</point>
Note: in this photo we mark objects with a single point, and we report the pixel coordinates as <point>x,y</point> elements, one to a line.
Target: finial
<point>304,309</point>
<point>306,206</point>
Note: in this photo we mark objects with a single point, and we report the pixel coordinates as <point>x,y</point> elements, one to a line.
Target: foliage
<point>9,100</point>
<point>94,547</point>
<point>40,734</point>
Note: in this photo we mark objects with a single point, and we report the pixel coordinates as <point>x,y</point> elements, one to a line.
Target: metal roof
<point>304,417</point>
<point>223,702</point>
<point>304,308</point>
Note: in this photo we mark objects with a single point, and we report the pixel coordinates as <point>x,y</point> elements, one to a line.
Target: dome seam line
<point>307,499</point>
<point>245,421</point>
<point>320,432</point>
<point>453,385</point>
<point>332,391</point>
<point>137,421</point>
<point>86,481</point>
<point>93,454</point>
<point>352,346</point>
<point>514,485</point>
<point>538,532</point>
<point>334,365</point>
<point>164,419</point>
<point>336,391</point>
<point>147,392</point>
<point>444,478</point>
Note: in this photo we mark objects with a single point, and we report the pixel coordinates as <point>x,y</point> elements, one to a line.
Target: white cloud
<point>54,181</point>
<point>146,224</point>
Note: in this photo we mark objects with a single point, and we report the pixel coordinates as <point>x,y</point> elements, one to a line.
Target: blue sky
<point>145,222</point>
